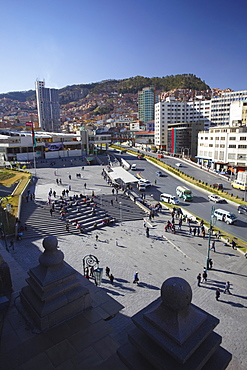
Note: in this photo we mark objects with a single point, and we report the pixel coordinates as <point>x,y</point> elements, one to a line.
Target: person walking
<point>227,288</point>
<point>111,277</point>
<point>107,271</point>
<point>67,227</point>
<point>147,232</point>
<point>233,244</point>
<point>210,263</point>
<point>194,231</point>
<point>213,246</point>
<point>136,278</point>
<point>96,237</point>
<point>204,276</point>
<point>85,185</point>
<point>51,211</point>
<point>217,294</point>
<point>199,279</point>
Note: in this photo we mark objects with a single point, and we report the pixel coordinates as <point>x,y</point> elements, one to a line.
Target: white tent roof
<point>121,173</point>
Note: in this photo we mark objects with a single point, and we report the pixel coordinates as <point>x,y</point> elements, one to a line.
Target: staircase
<point>89,214</point>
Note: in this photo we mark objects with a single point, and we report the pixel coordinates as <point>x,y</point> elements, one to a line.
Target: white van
<point>168,198</point>
<point>133,167</point>
<point>222,215</point>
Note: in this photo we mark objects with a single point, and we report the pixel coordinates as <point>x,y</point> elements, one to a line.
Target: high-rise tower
<point>48,107</point>
<point>146,101</point>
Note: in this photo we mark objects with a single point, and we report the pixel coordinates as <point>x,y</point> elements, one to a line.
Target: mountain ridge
<point>76,92</point>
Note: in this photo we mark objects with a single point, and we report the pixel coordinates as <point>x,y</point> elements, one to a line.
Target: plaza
<point>125,249</point>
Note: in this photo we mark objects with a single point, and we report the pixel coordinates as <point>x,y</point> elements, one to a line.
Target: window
<point>231,156</point>
<point>242,146</point>
<point>232,138</point>
<point>231,146</point>
<point>222,138</point>
<point>222,145</point>
<point>217,138</point>
<point>242,138</point>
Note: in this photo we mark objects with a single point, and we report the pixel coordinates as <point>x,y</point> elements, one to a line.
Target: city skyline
<point>79,42</point>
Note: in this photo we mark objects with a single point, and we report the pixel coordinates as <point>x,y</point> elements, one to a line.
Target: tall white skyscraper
<point>48,107</point>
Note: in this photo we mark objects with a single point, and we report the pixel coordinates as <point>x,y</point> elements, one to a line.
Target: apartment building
<point>48,107</point>
<point>173,111</point>
<point>220,106</point>
<point>223,148</point>
<point>146,100</point>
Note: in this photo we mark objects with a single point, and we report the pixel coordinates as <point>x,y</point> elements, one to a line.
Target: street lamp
<point>210,232</point>
<point>120,209</point>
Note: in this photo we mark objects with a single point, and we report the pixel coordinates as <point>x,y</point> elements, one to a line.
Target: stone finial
<point>51,255</point>
<point>176,294</point>
<point>175,315</point>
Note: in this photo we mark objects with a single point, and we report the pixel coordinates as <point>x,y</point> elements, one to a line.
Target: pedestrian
<point>203,234</point>
<point>190,230</point>
<point>85,185</point>
<point>199,279</point>
<point>204,276</point>
<point>227,288</point>
<point>233,243</point>
<point>67,227</point>
<point>107,271</point>
<point>136,278</point>
<point>144,223</point>
<point>180,223</point>
<point>112,202</point>
<point>12,244</point>
<point>116,243</point>
<point>96,237</point>
<point>111,277</point>
<point>210,262</point>
<point>213,246</point>
<point>51,211</point>
<point>198,231</point>
<point>217,294</point>
<point>113,191</point>
<point>194,231</point>
<point>70,177</point>
<point>147,232</point>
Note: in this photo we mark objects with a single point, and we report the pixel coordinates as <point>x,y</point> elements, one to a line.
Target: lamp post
<point>120,210</point>
<point>2,224</point>
<point>210,231</point>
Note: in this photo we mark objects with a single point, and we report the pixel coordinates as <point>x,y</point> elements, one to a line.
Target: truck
<point>184,193</point>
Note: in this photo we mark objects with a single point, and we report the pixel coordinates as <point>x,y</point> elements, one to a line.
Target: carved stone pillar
<point>55,291</point>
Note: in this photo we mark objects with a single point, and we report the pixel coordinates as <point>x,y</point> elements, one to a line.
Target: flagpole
<point>34,161</point>
<point>30,124</point>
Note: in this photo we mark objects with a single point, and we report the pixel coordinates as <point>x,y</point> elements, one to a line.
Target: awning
<point>120,173</point>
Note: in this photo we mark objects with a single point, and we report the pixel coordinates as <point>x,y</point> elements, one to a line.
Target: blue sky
<point>79,41</point>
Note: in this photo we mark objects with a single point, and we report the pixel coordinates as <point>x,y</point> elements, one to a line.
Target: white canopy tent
<point>120,173</point>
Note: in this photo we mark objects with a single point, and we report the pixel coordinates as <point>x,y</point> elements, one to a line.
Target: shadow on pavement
<point>229,272</point>
<point>149,286</point>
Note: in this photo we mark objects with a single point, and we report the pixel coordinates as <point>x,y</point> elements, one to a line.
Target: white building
<point>175,111</point>
<point>220,106</point>
<point>223,148</point>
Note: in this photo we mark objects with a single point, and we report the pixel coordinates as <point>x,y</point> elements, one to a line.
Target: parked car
<point>218,186</point>
<point>141,186</point>
<point>215,198</point>
<point>145,182</point>
<point>159,174</point>
<point>179,164</point>
<point>140,157</point>
<point>160,156</point>
<point>242,209</point>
